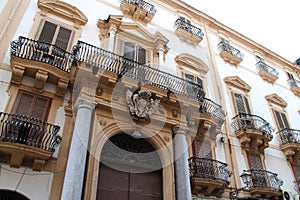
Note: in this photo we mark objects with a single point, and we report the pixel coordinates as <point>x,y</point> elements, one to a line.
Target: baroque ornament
<point>141,104</point>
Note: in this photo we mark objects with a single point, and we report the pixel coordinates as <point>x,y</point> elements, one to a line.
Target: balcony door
<point>258,174</point>
<point>130,169</point>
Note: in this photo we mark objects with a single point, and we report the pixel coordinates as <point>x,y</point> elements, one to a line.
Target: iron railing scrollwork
<point>294,83</point>
<point>248,121</point>
<point>43,52</point>
<point>149,8</point>
<point>287,135</point>
<point>213,109</point>
<point>222,46</point>
<point>207,168</point>
<point>264,179</point>
<point>180,23</point>
<point>264,67</point>
<point>17,128</point>
<point>98,58</point>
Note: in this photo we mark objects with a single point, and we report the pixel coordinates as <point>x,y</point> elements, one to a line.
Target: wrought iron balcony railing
<point>289,136</point>
<point>222,46</point>
<point>102,59</point>
<point>263,66</point>
<point>294,83</point>
<point>43,52</point>
<point>149,8</point>
<point>17,128</point>
<point>264,179</point>
<point>213,109</point>
<point>180,23</point>
<point>248,121</point>
<point>206,168</point>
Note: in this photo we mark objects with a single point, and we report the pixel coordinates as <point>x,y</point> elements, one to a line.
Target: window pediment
<point>136,32</point>
<point>275,99</point>
<point>63,10</point>
<point>191,62</point>
<point>237,82</point>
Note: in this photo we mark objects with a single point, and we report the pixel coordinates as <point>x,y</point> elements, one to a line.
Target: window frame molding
<point>61,14</point>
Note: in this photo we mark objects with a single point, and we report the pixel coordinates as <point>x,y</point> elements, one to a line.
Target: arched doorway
<point>130,169</point>
<point>11,195</point>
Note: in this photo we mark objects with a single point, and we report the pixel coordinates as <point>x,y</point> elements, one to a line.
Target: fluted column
<point>74,174</point>
<point>182,177</point>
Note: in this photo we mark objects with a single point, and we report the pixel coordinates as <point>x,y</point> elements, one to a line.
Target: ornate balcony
<point>267,72</point>
<point>253,131</point>
<point>42,61</point>
<point>119,67</point>
<point>187,32</point>
<point>209,177</point>
<point>295,86</point>
<point>265,184</point>
<point>230,54</point>
<point>290,143</point>
<point>27,140</point>
<point>212,117</point>
<point>138,10</point>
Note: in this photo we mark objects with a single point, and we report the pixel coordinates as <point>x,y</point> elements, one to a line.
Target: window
<point>281,120</point>
<point>55,34</point>
<point>241,103</point>
<point>134,52</point>
<point>202,149</point>
<point>296,170</point>
<point>192,78</point>
<point>32,105</point>
<point>258,175</point>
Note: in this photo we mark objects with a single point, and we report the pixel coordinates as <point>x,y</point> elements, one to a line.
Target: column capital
<point>86,103</point>
<point>177,129</point>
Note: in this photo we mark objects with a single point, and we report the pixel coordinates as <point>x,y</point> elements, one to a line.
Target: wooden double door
<point>121,185</point>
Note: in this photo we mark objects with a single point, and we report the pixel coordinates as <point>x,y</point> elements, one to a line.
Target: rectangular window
<point>55,34</point>
<point>281,120</point>
<point>258,175</point>
<point>32,105</point>
<point>241,103</point>
<point>134,52</point>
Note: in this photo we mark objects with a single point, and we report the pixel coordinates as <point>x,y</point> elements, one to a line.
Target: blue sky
<point>275,24</point>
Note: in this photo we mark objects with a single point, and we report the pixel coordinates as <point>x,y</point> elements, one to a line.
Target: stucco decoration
<point>275,99</point>
<point>237,82</point>
<point>141,104</point>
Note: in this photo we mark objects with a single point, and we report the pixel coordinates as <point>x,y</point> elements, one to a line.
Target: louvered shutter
<point>254,161</point>
<point>47,32</point>
<point>32,105</point>
<point>40,108</point>
<point>63,38</point>
<point>129,50</point>
<point>281,120</point>
<point>296,169</point>
<point>25,102</point>
<point>141,55</point>
<point>242,103</point>
<point>202,149</point>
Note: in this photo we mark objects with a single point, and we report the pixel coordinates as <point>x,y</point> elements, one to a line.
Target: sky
<point>274,24</point>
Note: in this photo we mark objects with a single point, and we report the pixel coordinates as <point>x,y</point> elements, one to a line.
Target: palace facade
<point>142,100</point>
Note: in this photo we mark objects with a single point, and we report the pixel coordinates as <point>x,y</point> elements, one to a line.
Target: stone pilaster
<point>182,177</point>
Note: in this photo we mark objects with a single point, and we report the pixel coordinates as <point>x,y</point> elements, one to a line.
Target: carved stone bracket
<point>61,87</point>
<point>17,74</point>
<point>40,80</point>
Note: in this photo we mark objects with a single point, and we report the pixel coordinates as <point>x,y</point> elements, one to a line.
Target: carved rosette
<point>141,104</point>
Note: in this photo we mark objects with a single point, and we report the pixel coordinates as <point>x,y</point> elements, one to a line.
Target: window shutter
<point>202,148</point>
<point>32,105</point>
<point>246,104</point>
<point>296,169</point>
<point>24,104</point>
<point>242,103</point>
<point>254,161</point>
<point>39,108</point>
<point>281,120</point>
<point>63,38</point>
<point>47,32</point>
<point>141,55</point>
